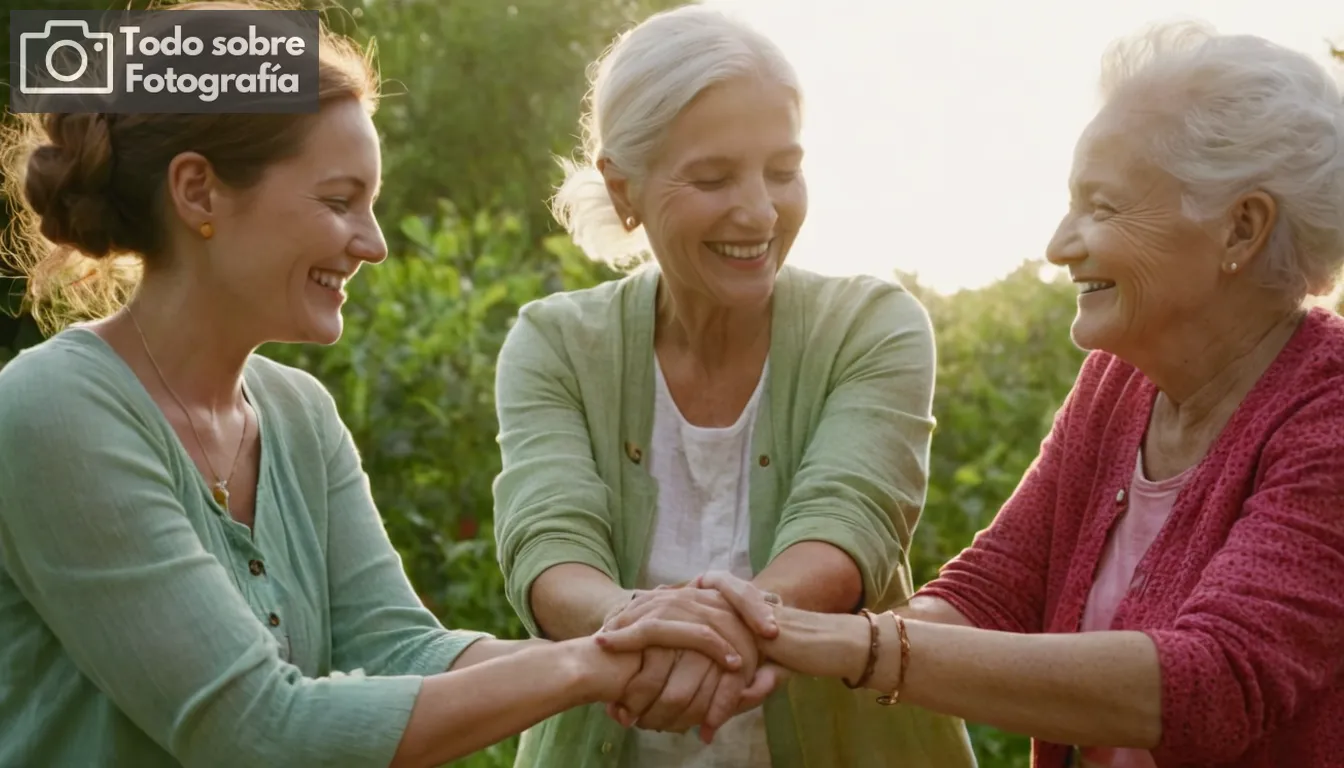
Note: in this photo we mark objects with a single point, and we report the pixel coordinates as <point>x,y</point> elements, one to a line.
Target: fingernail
<point>733,658</point>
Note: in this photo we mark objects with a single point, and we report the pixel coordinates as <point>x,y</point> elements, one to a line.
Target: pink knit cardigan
<point>1243,590</point>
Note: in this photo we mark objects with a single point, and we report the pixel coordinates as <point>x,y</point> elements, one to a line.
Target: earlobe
<point>618,189</point>
<point>191,185</point>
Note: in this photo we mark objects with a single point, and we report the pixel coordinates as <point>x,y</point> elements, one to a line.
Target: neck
<point>714,336</point>
<point>1210,364</point>
<point>192,339</point>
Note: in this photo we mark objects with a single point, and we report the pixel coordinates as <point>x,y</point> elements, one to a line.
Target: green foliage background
<point>481,95</point>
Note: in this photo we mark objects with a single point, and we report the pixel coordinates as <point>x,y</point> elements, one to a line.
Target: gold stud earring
<point>207,230</point>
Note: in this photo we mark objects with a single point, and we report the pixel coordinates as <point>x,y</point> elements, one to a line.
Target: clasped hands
<point>676,689</point>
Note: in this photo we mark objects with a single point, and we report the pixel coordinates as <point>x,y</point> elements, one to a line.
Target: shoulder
<point>856,298</point>
<point>298,402</point>
<point>575,325</point>
<point>1315,355</point>
<point>72,376</point>
<point>286,384</point>
<point>1302,395</point>
<point>588,308</point>
<point>852,315</point>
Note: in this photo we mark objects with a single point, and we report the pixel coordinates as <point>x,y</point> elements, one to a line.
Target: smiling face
<point>1143,268</point>
<point>725,197</point>
<point>287,245</point>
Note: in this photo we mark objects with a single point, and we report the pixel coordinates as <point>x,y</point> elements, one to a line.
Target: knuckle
<point>642,688</point>
<point>679,698</point>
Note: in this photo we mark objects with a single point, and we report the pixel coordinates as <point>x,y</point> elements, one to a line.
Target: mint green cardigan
<point>141,627</point>
<point>843,444</point>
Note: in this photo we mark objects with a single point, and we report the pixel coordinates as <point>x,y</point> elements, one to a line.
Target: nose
<point>368,244</point>
<point>756,210</point>
<point>1067,246</point>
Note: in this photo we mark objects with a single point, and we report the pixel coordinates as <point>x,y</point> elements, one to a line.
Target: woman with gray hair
<point>716,409</point>
<point>1166,585</point>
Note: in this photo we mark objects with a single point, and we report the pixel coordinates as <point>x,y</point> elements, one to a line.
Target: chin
<point>326,334</point>
<point>1089,335</point>
<point>315,329</point>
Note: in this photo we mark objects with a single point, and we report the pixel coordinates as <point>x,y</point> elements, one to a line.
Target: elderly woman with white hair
<point>1166,585</point>
<point>716,409</point>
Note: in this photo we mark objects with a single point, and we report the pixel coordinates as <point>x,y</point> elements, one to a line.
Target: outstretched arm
<point>104,552</point>
<point>460,712</point>
<point>1100,688</point>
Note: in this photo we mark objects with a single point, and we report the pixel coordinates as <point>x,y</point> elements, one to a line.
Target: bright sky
<point>940,133</point>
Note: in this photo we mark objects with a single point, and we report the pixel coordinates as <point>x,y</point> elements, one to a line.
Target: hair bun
<point>68,184</point>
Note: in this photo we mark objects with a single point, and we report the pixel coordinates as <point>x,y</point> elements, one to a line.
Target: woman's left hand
<point>753,604</point>
<point>804,642</point>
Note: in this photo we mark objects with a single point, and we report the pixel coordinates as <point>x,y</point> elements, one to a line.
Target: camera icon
<point>65,58</point>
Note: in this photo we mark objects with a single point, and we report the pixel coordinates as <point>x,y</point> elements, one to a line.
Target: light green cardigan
<point>843,445</point>
<point>141,627</point>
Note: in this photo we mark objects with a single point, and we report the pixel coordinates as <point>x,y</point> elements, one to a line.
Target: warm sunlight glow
<point>939,135</point>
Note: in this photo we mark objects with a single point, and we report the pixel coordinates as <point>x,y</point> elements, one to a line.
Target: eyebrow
<point>1087,187</point>
<point>721,161</point>
<point>350,179</point>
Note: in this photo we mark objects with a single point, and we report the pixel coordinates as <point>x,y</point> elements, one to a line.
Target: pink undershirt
<point>1150,504</point>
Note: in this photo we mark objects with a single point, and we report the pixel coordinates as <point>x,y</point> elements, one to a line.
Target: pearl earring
<point>207,230</point>
<point>629,222</point>
<point>1232,267</point>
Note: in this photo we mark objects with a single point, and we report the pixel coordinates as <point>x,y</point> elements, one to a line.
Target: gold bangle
<point>873,637</point>
<point>895,697</point>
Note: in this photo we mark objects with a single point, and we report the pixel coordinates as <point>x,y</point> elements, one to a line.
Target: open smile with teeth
<point>1092,286</point>
<point>740,251</point>
<point>327,279</point>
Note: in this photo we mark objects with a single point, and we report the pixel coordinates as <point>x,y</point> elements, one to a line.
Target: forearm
<point>814,576</point>
<point>572,600</point>
<point>460,712</point>
<point>1090,689</point>
<point>485,649</point>
<point>1101,689</point>
<point>933,610</point>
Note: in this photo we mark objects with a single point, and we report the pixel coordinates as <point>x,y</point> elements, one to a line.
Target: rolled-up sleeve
<point>378,623</point>
<point>1263,632</point>
<point>863,478</point>
<point>551,505</point>
<point>94,537</point>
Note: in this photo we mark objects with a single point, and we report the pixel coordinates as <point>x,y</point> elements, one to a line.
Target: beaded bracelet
<point>873,637</point>
<point>895,696</point>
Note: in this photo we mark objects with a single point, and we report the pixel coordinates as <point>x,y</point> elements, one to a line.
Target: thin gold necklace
<point>220,490</point>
